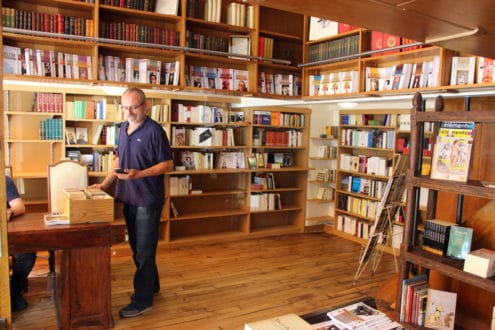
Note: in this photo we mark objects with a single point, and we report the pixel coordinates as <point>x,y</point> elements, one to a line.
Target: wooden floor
<point>224,285</point>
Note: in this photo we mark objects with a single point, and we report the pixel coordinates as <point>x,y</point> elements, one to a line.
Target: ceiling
<point>467,26</point>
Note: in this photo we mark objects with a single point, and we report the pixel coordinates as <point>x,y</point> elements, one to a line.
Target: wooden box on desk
<point>100,208</point>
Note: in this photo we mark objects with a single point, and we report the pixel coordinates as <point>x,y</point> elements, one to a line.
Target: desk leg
<point>83,291</point>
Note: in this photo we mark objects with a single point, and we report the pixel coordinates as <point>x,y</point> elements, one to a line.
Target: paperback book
<point>452,151</point>
<point>440,311</point>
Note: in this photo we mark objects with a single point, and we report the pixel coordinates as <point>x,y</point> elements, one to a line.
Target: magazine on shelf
<point>452,151</point>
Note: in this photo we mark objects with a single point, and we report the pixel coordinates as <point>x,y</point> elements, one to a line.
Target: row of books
<point>239,14</point>
<point>277,118</point>
<point>48,102</point>
<point>424,306</point>
<point>447,239</point>
<point>159,112</point>
<point>279,84</point>
<point>208,42</point>
<point>263,181</point>
<point>265,47</point>
<point>325,175</point>
<point>195,160</point>
<point>202,136</point>
<point>334,48</point>
<point>271,138</point>
<point>403,76</point>
<point>359,206</point>
<point>180,185</point>
<point>138,33</point>
<point>326,152</point>
<point>138,70</point>
<point>325,194</point>
<point>367,120</point>
<point>373,138</point>
<point>217,78</point>
<point>359,185</point>
<point>353,226</point>
<point>271,160</point>
<point>468,70</point>
<point>46,63</point>
<point>51,129</point>
<point>96,161</point>
<point>375,165</point>
<point>333,83</point>
<point>91,109</point>
<point>47,22</point>
<point>265,202</point>
<point>168,7</point>
<point>201,113</point>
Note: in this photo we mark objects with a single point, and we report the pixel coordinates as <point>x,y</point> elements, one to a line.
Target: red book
<point>380,40</point>
<point>343,28</point>
<point>261,46</point>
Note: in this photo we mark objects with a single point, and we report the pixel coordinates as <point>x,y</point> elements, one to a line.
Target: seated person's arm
<point>17,206</point>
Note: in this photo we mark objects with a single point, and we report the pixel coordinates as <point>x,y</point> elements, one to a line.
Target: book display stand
<point>382,227</point>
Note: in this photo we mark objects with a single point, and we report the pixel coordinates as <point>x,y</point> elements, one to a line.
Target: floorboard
<point>224,285</point>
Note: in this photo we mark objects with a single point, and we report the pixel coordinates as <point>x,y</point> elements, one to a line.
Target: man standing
<point>22,263</point>
<point>144,156</point>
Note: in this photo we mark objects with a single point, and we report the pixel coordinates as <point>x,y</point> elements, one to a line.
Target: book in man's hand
<point>52,219</point>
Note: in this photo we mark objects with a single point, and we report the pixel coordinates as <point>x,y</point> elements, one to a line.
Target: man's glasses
<point>131,107</point>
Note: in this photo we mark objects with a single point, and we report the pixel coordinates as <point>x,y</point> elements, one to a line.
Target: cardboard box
<point>97,207</point>
<point>480,262</point>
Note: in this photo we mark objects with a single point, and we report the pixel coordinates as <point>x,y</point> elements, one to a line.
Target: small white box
<point>480,262</point>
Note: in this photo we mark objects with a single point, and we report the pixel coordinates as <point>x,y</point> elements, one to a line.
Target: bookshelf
<point>366,156</point>
<point>474,193</point>
<point>279,150</point>
<point>212,199</point>
<point>322,174</point>
<point>92,42</point>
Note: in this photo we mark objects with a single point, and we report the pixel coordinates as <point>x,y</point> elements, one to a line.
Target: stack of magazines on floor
<point>357,316</point>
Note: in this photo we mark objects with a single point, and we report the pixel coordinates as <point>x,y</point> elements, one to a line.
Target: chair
<point>61,175</point>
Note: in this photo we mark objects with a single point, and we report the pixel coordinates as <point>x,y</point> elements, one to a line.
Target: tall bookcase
<point>366,157</point>
<point>472,195</point>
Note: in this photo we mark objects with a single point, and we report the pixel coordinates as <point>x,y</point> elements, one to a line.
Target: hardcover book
<point>459,242</point>
<point>440,310</point>
<point>167,7</point>
<point>452,151</point>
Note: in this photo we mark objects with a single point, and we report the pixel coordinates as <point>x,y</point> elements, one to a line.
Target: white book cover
<point>320,28</point>
<point>463,68</point>
<point>440,309</point>
<point>167,7</point>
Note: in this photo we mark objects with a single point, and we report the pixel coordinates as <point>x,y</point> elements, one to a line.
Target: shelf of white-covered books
<point>419,68</point>
<point>139,65</point>
<point>224,75</point>
<point>278,81</point>
<point>341,78</point>
<point>36,58</point>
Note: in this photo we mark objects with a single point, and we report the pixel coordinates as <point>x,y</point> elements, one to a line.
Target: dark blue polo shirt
<point>12,192</point>
<point>148,145</point>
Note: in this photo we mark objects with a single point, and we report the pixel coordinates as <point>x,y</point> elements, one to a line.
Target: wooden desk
<point>82,261</point>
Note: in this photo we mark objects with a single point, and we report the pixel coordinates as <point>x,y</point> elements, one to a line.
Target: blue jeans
<point>22,264</point>
<point>143,225</point>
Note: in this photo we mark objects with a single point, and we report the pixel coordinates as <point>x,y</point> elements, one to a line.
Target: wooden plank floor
<point>224,285</point>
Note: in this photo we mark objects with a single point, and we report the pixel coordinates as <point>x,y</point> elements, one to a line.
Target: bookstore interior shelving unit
<point>367,155</point>
<point>470,192</point>
<point>210,192</point>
